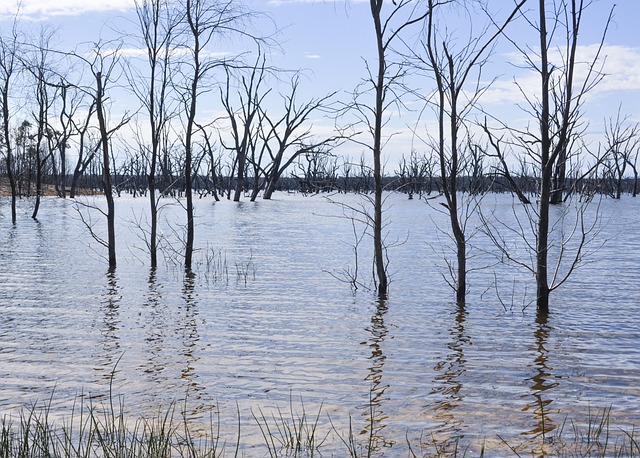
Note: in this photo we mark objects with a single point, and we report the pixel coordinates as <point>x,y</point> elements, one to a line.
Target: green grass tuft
<point>105,430</point>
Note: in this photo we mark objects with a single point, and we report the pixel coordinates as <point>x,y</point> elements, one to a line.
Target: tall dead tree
<point>39,67</point>
<point>106,171</point>
<point>383,80</point>
<point>102,66</point>
<point>290,136</point>
<point>86,151</point>
<point>549,146</point>
<point>157,22</point>
<point>206,22</point>
<point>244,121</point>
<point>453,100</point>
<point>622,139</point>
<point>9,63</point>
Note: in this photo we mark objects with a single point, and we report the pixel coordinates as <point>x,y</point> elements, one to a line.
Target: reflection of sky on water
<point>292,331</point>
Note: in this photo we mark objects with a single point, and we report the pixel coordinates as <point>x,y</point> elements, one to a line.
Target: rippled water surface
<point>264,321</point>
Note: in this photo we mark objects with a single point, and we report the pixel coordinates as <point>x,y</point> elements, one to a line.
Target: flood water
<point>264,323</point>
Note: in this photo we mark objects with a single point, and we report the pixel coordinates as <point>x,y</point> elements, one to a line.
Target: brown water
<point>263,322</point>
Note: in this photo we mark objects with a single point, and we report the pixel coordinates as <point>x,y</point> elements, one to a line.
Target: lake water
<point>264,323</point>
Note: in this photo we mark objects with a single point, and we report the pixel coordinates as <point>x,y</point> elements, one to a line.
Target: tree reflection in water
<point>109,328</point>
<point>542,381</point>
<point>448,389</point>
<point>190,339</point>
<point>373,414</point>
<point>156,324</point>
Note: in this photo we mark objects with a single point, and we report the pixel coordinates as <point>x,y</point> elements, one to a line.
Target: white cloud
<point>288,2</point>
<point>142,52</point>
<point>295,2</point>
<point>38,9</point>
<point>621,69</point>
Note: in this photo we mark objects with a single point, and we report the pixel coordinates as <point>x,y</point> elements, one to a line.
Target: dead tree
<point>289,136</point>
<point>38,68</point>
<point>244,121</point>
<point>86,150</point>
<point>205,22</point>
<point>382,81</point>
<point>9,66</point>
<point>547,148</point>
<point>622,141</point>
<point>451,70</point>
<point>101,66</point>
<point>151,84</point>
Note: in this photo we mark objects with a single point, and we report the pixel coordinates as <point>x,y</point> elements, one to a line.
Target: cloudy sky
<point>330,39</point>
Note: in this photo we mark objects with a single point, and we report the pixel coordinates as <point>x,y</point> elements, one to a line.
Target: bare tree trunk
<point>271,182</point>
<point>7,67</point>
<point>83,161</point>
<point>63,145</point>
<point>559,178</point>
<point>378,242</point>
<point>191,116</point>
<point>42,100</point>
<point>106,173</point>
<point>205,20</point>
<point>39,160</point>
<point>542,283</point>
<point>241,160</point>
<point>153,207</point>
<point>8,150</point>
<point>157,33</point>
<point>451,70</point>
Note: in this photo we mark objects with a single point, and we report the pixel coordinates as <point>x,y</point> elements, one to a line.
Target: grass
<point>105,430</point>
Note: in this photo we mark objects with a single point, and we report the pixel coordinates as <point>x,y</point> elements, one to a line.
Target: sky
<point>331,40</point>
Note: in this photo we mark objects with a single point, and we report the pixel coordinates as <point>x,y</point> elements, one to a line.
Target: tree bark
<point>41,97</point>
<point>191,116</point>
<point>106,174</point>
<point>542,283</point>
<point>378,243</point>
<point>8,149</point>
<point>239,187</point>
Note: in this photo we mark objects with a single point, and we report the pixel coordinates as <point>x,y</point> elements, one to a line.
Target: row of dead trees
<point>73,126</point>
<point>415,176</point>
<point>548,144</point>
<point>68,99</point>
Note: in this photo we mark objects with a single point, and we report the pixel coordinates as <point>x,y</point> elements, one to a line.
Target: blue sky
<point>330,39</point>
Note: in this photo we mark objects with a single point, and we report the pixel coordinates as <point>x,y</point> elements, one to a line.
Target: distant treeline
<point>222,187</point>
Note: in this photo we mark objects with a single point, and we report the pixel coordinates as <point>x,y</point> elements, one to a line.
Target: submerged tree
<point>454,98</point>
<point>102,68</point>
<point>288,137</point>
<point>383,80</point>
<point>206,22</point>
<point>86,150</point>
<point>244,121</point>
<point>39,68</point>
<point>266,143</point>
<point>102,65</point>
<point>157,26</point>
<point>9,65</point>
<point>555,140</point>
<point>622,139</point>
<point>106,171</point>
